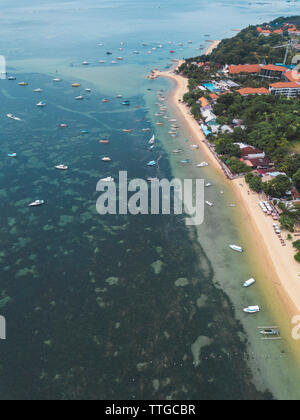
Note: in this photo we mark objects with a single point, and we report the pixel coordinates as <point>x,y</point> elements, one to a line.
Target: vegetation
<point>278,186</point>
<point>255,182</point>
<point>249,47</point>
<point>237,167</point>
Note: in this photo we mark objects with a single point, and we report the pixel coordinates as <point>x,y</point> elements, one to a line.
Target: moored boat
<point>62,167</point>
<point>252,310</point>
<point>249,282</point>
<point>108,179</point>
<point>36,203</point>
<point>236,248</point>
<point>106,159</point>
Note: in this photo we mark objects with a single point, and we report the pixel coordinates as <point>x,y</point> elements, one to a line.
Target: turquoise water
<point>115,307</point>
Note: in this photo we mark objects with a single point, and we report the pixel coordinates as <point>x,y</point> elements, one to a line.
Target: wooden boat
<point>104,141</point>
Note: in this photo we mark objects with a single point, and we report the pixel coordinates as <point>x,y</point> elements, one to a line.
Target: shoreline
<point>279,261</point>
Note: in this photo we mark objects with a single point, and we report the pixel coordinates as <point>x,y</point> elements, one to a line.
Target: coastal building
<point>250,152</point>
<point>292,76</point>
<point>259,163</point>
<point>272,71</point>
<point>290,89</point>
<point>245,69</point>
<point>253,91</point>
<point>209,116</point>
<point>204,103</point>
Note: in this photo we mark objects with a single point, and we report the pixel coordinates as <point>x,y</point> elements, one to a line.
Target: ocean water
<point>118,307</point>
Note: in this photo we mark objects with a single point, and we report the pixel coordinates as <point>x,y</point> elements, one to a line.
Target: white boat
<point>108,179</point>
<point>57,80</point>
<point>85,63</point>
<point>202,165</point>
<point>41,104</point>
<point>236,248</point>
<point>152,140</point>
<point>106,159</point>
<point>208,185</point>
<point>39,90</point>
<point>252,310</point>
<point>249,282</point>
<point>36,203</point>
<point>152,180</point>
<point>101,61</point>
<point>195,146</point>
<point>79,98</point>
<point>62,167</point>
<point>88,90</point>
<point>119,96</point>
<point>209,203</point>
<point>13,117</point>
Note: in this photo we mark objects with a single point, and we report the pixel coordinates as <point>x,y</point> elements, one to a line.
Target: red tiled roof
<point>260,161</point>
<point>213,96</point>
<point>253,91</point>
<point>247,68</point>
<point>285,85</point>
<point>204,102</point>
<point>292,76</point>
<point>250,151</point>
<point>271,67</point>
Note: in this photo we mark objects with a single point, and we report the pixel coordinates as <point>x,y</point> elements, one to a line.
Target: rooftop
<point>292,76</point>
<point>253,91</point>
<point>244,68</point>
<point>285,85</point>
<point>271,67</point>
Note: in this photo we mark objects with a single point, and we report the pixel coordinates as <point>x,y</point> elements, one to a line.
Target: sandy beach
<point>277,260</point>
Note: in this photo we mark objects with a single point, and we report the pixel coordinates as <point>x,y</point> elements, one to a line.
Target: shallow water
<point>115,307</point>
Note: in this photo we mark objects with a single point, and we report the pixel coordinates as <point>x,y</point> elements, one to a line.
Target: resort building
<point>290,89</point>
<point>250,152</point>
<point>253,91</point>
<point>292,76</point>
<point>272,72</point>
<point>204,103</point>
<point>247,69</point>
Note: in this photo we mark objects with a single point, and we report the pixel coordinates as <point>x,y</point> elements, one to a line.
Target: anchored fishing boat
<point>152,163</point>
<point>249,282</point>
<point>12,155</point>
<point>106,159</point>
<point>62,167</point>
<point>236,248</point>
<point>36,203</point>
<point>108,179</point>
<point>41,104</point>
<point>252,310</point>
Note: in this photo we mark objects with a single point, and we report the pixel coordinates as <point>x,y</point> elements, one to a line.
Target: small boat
<point>209,203</point>
<point>84,132</point>
<point>36,203</point>
<point>160,124</point>
<point>62,167</point>
<point>113,62</point>
<point>12,155</point>
<point>76,85</point>
<point>177,151</point>
<point>208,185</point>
<point>195,146</point>
<point>236,248</point>
<point>152,163</point>
<point>85,63</point>
<point>127,131</point>
<point>109,53</point>
<point>172,52</point>
<point>63,125</point>
<point>88,90</point>
<point>101,61</point>
<point>146,130</point>
<point>105,101</point>
<point>57,80</point>
<point>119,96</point>
<point>126,103</point>
<point>120,58</point>
<point>270,332</point>
<point>249,282</point>
<point>152,180</point>
<point>252,310</point>
<point>39,90</point>
<point>151,148</point>
<point>135,52</point>
<point>186,161</point>
<point>152,140</point>
<point>23,84</point>
<point>202,165</point>
<point>12,78</point>
<point>108,179</point>
<point>79,98</point>
<point>106,159</point>
<point>41,104</point>
<point>104,141</point>
<point>13,117</point>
